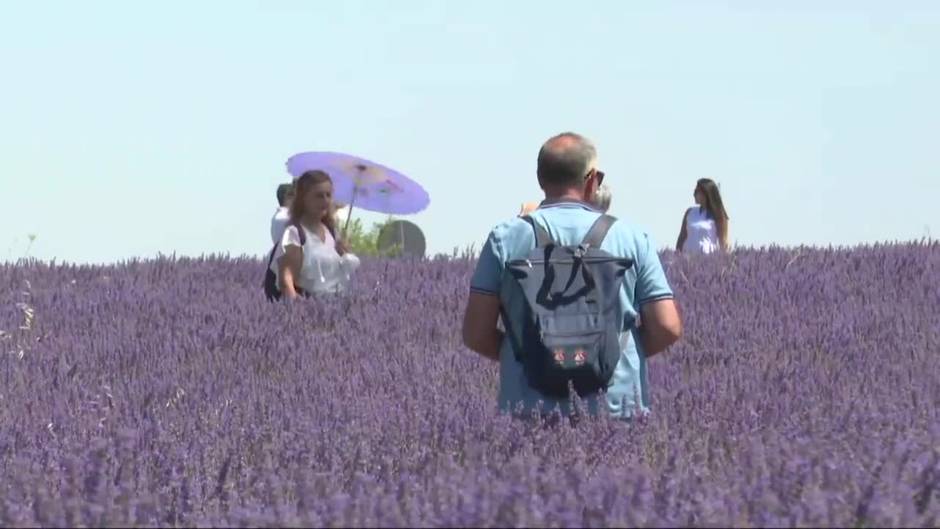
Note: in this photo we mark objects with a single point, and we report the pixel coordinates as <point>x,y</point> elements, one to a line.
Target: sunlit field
<point>169,392</point>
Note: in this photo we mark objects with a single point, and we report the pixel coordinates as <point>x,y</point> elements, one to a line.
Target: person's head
<point>567,167</point>
<point>313,198</point>
<point>285,195</point>
<point>708,197</point>
<point>527,207</point>
<point>602,198</point>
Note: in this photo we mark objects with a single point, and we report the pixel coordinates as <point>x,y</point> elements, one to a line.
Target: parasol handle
<point>352,202</point>
<point>349,213</point>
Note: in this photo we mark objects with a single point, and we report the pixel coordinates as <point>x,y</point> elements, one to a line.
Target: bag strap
<point>542,238</point>
<point>303,241</point>
<point>515,345</point>
<point>273,251</point>
<point>595,235</point>
<point>301,232</point>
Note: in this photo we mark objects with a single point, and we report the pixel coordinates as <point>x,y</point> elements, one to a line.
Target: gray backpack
<point>569,335</point>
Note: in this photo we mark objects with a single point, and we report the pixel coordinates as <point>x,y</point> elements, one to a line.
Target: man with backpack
<point>570,283</point>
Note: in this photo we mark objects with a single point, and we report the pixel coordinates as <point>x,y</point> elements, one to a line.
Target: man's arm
<point>480,333</point>
<point>661,324</point>
<point>661,327</point>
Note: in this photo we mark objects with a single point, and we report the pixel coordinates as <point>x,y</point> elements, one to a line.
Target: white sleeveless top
<point>701,232</point>
<point>323,269</point>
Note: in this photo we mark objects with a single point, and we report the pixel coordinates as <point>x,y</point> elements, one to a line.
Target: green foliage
<point>365,243</point>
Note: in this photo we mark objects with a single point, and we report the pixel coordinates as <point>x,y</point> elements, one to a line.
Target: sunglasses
<point>597,174</point>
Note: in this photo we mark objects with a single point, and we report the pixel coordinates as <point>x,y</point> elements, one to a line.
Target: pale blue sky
<point>132,128</point>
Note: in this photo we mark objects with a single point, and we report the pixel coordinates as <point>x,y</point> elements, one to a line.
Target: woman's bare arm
<point>682,232</point>
<point>289,267</point>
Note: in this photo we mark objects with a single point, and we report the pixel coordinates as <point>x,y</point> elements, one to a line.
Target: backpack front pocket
<point>568,357</point>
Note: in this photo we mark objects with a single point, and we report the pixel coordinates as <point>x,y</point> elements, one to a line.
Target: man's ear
<point>590,189</point>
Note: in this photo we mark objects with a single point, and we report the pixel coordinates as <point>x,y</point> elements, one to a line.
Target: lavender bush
<point>169,392</point>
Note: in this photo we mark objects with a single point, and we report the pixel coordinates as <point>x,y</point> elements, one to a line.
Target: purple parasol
<point>362,183</point>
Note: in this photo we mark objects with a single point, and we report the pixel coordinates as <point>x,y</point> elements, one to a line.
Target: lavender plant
<point>168,392</point>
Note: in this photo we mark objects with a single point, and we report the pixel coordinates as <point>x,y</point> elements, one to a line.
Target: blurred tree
<point>365,243</point>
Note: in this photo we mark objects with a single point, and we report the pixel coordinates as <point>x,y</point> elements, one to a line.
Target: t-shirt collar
<point>567,203</point>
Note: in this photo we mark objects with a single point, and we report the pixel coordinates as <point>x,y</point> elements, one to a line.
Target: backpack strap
<point>595,235</point>
<point>542,238</point>
<point>515,345</point>
<point>273,251</point>
<point>303,240</point>
<point>300,233</point>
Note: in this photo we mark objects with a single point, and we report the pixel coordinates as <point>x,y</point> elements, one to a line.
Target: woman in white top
<point>704,228</point>
<point>315,263</point>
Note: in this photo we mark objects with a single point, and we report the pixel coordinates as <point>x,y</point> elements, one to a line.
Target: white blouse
<point>323,269</point>
<point>701,232</point>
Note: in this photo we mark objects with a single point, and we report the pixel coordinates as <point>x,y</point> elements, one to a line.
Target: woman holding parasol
<point>310,259</point>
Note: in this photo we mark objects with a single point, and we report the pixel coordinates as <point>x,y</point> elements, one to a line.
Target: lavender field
<point>805,392</point>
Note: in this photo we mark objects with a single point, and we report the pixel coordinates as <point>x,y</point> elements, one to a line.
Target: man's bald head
<point>565,159</point>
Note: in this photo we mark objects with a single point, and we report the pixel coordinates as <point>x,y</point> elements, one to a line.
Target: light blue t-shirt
<point>567,222</point>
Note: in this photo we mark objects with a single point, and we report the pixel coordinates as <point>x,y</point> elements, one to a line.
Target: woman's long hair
<point>714,205</point>
<point>302,186</point>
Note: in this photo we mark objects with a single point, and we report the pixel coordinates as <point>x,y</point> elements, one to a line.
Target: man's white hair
<point>602,198</point>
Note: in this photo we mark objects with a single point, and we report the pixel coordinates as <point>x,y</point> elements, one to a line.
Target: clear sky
<point>133,128</point>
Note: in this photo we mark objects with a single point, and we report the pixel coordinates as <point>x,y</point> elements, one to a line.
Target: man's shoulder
<point>624,237</point>
<point>510,238</point>
<point>509,228</point>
